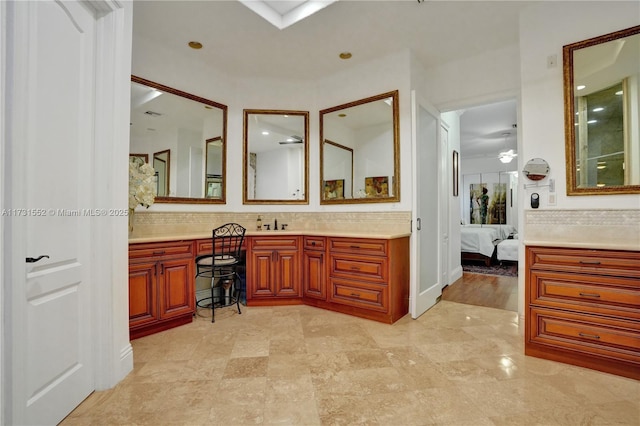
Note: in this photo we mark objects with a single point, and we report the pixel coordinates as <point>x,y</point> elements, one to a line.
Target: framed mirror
<point>601,104</point>
<point>275,157</point>
<point>359,151</point>
<point>185,136</point>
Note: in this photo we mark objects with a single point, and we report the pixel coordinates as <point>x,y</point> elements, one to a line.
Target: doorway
<point>488,206</point>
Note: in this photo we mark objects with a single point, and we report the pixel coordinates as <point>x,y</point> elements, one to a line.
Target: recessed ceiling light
<point>598,109</point>
<point>582,86</point>
<point>345,55</point>
<point>592,121</point>
<point>265,133</point>
<point>195,45</point>
<point>619,92</point>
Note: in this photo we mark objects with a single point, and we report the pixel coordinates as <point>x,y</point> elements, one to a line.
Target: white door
<point>425,285</point>
<point>51,96</point>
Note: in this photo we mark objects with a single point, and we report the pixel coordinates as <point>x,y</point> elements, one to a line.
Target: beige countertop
<point>602,245</point>
<point>327,233</point>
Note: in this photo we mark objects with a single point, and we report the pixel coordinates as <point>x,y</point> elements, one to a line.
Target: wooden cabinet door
<point>143,296</point>
<point>261,274</point>
<point>287,273</point>
<point>313,282</point>
<point>175,292</point>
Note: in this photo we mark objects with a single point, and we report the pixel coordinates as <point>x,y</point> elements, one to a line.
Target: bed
<point>478,243</point>
<point>507,250</point>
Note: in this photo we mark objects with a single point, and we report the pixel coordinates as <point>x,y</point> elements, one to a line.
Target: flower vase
<point>131,211</point>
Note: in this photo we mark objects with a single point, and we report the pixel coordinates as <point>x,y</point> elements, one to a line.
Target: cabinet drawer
<point>587,334</point>
<point>206,246</point>
<point>359,267</point>
<point>358,246</point>
<point>314,243</point>
<point>264,243</point>
<point>618,296</point>
<point>166,249</point>
<point>601,262</point>
<point>359,294</point>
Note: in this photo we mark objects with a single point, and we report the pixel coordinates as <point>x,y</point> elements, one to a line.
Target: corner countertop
<point>318,233</point>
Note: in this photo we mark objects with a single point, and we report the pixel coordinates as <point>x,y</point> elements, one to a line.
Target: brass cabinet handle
<point>158,252</point>
<point>355,295</point>
<point>355,268</point>
<point>589,294</point>
<point>589,336</point>
<point>355,247</point>
<point>589,262</point>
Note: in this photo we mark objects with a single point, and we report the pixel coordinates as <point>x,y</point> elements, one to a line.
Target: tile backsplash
<point>602,228</point>
<point>149,224</point>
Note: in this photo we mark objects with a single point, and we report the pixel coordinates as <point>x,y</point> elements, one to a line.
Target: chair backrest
<point>227,240</point>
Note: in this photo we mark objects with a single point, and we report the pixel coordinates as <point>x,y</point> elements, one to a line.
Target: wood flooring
<point>484,290</point>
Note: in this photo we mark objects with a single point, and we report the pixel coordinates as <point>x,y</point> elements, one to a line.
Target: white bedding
<point>508,250</point>
<point>504,231</point>
<point>478,240</point>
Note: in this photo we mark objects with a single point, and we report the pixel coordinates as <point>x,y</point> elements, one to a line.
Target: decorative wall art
<point>376,186</point>
<point>333,189</point>
<point>487,203</point>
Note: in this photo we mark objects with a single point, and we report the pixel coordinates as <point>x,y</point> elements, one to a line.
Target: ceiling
<point>238,41</point>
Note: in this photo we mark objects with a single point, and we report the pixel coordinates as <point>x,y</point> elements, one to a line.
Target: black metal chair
<point>221,267</point>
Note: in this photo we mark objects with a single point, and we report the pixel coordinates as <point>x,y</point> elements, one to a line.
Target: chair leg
<point>213,301</point>
<point>238,284</point>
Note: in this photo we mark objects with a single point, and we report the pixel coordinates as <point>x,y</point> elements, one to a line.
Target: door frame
<point>112,352</point>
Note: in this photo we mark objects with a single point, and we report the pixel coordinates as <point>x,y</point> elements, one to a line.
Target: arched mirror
<point>602,123</point>
<point>275,157</point>
<point>359,151</point>
<point>185,134</point>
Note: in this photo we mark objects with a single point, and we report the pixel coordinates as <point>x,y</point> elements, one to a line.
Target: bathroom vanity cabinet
<point>369,277</point>
<point>273,268</point>
<point>365,277</point>
<point>313,268</point>
<point>161,290</point>
<point>583,308</point>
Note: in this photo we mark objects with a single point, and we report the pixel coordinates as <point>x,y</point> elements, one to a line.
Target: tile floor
<point>297,365</point>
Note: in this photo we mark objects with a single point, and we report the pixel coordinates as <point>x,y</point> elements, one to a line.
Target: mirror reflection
<point>275,157</point>
<point>161,160</point>
<point>359,157</point>
<point>536,169</point>
<point>602,91</point>
<point>213,168</point>
<point>184,136</point>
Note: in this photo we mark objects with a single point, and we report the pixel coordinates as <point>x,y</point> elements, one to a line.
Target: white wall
<point>542,94</point>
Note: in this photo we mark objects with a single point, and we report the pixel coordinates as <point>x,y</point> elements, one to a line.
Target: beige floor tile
<point>298,365</point>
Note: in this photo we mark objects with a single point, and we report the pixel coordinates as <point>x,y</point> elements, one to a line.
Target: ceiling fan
<point>291,140</point>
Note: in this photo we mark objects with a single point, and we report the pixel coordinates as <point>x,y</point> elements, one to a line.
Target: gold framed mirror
<point>601,104</point>
<point>185,134</point>
<point>275,157</point>
<point>360,151</point>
